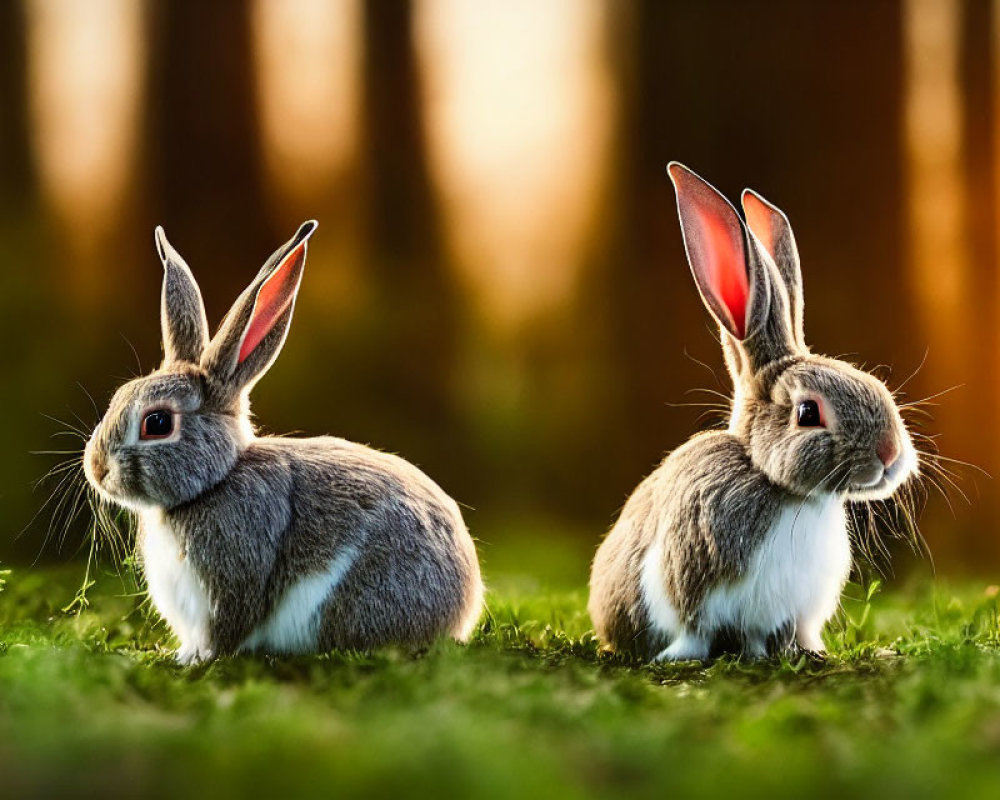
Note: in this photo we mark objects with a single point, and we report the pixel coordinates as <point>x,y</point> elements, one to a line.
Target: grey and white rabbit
<point>260,543</point>
<point>739,538</point>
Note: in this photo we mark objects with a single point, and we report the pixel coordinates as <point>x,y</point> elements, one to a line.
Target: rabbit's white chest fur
<point>796,576</point>
<point>181,598</point>
<point>175,588</point>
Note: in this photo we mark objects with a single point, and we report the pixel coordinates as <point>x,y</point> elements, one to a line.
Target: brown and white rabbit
<point>740,536</point>
<point>281,545</point>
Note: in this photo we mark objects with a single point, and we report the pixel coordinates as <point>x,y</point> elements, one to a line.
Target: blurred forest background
<point>497,289</point>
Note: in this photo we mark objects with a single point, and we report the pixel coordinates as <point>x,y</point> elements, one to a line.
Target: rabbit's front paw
<point>190,654</point>
<point>810,641</point>
<point>686,647</point>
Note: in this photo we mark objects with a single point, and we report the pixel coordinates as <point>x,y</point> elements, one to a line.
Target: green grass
<point>908,705</point>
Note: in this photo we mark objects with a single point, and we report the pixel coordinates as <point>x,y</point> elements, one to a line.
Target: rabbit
<point>259,543</point>
<point>738,540</point>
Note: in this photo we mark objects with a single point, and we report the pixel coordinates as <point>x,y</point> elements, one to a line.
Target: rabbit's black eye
<point>808,414</point>
<point>157,424</point>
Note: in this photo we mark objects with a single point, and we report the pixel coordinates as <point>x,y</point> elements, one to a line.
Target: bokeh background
<point>497,289</point>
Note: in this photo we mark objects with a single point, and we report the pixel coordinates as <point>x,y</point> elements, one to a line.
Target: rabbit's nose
<point>99,467</point>
<point>888,450</point>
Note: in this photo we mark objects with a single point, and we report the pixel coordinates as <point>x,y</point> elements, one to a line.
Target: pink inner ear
<point>273,299</point>
<point>725,271</point>
<point>759,221</point>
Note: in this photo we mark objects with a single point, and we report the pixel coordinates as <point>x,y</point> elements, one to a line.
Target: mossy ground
<point>907,705</point>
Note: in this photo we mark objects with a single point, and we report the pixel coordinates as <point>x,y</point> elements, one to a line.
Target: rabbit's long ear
<point>774,233</point>
<point>254,330</point>
<point>182,312</point>
<point>739,286</point>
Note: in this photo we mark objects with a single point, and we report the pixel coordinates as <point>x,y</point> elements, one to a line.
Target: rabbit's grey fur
<point>266,543</point>
<point>740,535</point>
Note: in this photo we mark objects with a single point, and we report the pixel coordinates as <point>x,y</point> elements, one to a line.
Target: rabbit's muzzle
<point>100,470</point>
<point>95,465</point>
<point>892,463</point>
<point>888,450</point>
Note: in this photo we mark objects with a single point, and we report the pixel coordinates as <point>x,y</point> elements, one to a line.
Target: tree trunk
<point>206,144</point>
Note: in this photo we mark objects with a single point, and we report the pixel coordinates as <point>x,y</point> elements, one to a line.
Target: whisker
<point>58,469</point>
<point>959,462</point>
<point>926,400</point>
<point>912,375</point>
<point>72,428</point>
<point>72,434</point>
<point>725,397</point>
<point>90,397</point>
<point>135,353</point>
<point>701,363</point>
